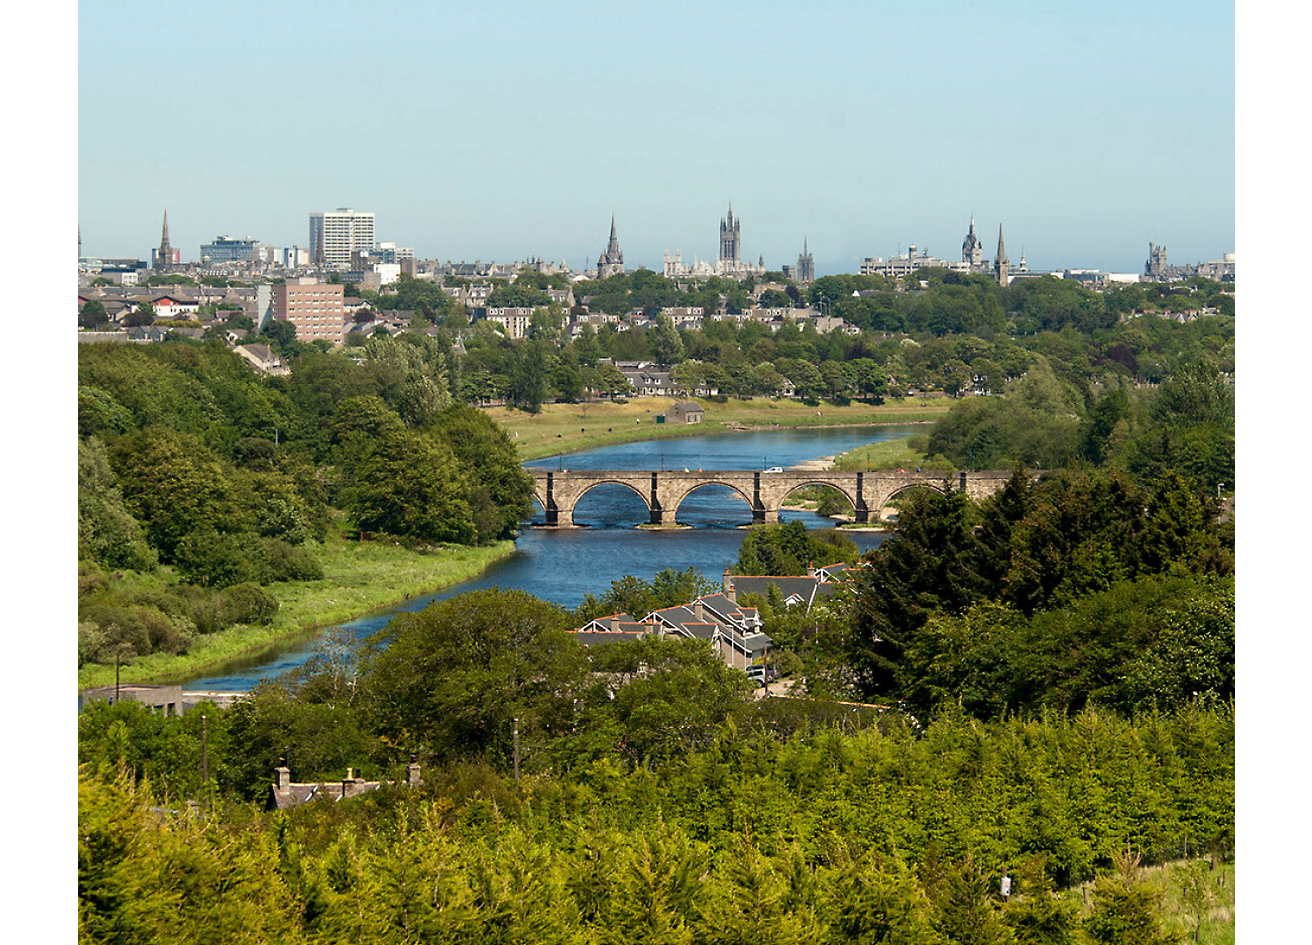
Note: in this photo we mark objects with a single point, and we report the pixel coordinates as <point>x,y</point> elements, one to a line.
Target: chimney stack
<point>810,569</point>
<point>729,592</point>
<point>698,611</point>
<point>615,623</point>
<point>283,775</point>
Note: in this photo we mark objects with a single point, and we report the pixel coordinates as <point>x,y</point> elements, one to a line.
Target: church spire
<point>164,257</point>
<point>1001,269</point>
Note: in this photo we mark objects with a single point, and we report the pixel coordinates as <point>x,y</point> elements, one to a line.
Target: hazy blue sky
<point>508,129</point>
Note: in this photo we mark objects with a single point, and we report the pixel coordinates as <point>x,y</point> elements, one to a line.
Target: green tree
<point>499,492</point>
<point>93,315</point>
<point>140,316</point>
<point>1127,912</point>
<point>172,484</point>
<point>410,485</point>
<point>451,679</point>
<point>107,532</point>
<point>925,566</point>
<point>664,341</point>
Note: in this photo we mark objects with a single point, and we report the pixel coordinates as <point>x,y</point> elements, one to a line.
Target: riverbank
<point>358,577</point>
<point>572,428</point>
<point>904,453</point>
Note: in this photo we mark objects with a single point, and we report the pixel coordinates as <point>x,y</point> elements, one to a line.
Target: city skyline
<point>513,131</point>
<point>579,265</point>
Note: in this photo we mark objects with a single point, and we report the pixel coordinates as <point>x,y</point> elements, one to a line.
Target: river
<point>562,565</point>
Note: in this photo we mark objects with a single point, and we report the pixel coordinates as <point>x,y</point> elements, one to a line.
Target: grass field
<point>358,577</point>
<point>890,454</point>
<point>569,428</point>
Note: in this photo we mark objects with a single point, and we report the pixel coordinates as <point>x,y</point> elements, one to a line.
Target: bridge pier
<point>657,514</point>
<point>860,511</point>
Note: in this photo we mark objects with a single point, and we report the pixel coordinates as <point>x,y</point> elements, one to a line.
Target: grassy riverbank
<point>570,428</point>
<point>357,577</point>
<point>905,453</point>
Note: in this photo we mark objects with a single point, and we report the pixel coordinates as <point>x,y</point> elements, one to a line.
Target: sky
<point>504,130</point>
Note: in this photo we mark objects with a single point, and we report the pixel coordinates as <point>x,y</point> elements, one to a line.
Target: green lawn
<point>358,577</point>
<point>890,454</point>
<point>569,428</point>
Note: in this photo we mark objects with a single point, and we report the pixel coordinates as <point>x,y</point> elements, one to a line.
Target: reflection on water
<point>563,565</point>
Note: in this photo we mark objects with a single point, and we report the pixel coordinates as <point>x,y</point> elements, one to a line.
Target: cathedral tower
<point>972,250</point>
<point>805,265</point>
<point>730,239</point>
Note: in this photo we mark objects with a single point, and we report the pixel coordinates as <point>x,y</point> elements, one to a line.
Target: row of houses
<point>732,629</point>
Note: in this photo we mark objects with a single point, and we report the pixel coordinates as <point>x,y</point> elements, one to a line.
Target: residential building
<point>294,257</point>
<point>285,793</point>
<point>314,308</point>
<point>336,234</point>
<point>262,358</point>
<point>515,321</point>
<point>615,627</point>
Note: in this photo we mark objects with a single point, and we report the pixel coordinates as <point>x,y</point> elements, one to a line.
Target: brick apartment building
<point>314,308</point>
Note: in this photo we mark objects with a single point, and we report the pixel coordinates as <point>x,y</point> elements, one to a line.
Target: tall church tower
<point>805,265</point>
<point>730,239</point>
<point>972,250</point>
<point>164,255</point>
<point>1001,267</point>
<point>611,262</point>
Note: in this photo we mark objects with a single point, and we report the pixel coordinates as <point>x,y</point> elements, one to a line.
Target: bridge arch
<point>828,483</point>
<point>673,509</point>
<point>882,501</point>
<point>578,497</point>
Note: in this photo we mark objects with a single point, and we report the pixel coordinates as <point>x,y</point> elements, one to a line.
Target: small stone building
<point>685,411</point>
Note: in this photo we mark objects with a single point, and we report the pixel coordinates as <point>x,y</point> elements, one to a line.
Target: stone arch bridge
<point>558,491</point>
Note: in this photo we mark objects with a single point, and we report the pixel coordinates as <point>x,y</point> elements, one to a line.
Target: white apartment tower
<point>335,234</point>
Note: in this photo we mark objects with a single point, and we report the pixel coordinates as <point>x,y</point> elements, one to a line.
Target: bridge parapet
<point>560,490</point>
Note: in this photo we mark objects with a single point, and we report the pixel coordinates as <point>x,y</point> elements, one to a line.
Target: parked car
<point>774,469</point>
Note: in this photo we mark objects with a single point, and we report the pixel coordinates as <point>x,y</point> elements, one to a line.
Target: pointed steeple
<point>612,228</point>
<point>1001,268</point>
<point>164,256</point>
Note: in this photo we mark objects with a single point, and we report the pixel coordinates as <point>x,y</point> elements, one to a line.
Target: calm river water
<point>562,566</point>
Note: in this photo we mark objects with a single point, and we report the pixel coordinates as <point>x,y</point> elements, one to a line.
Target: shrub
<point>248,603</point>
<point>222,560</point>
<point>290,563</point>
